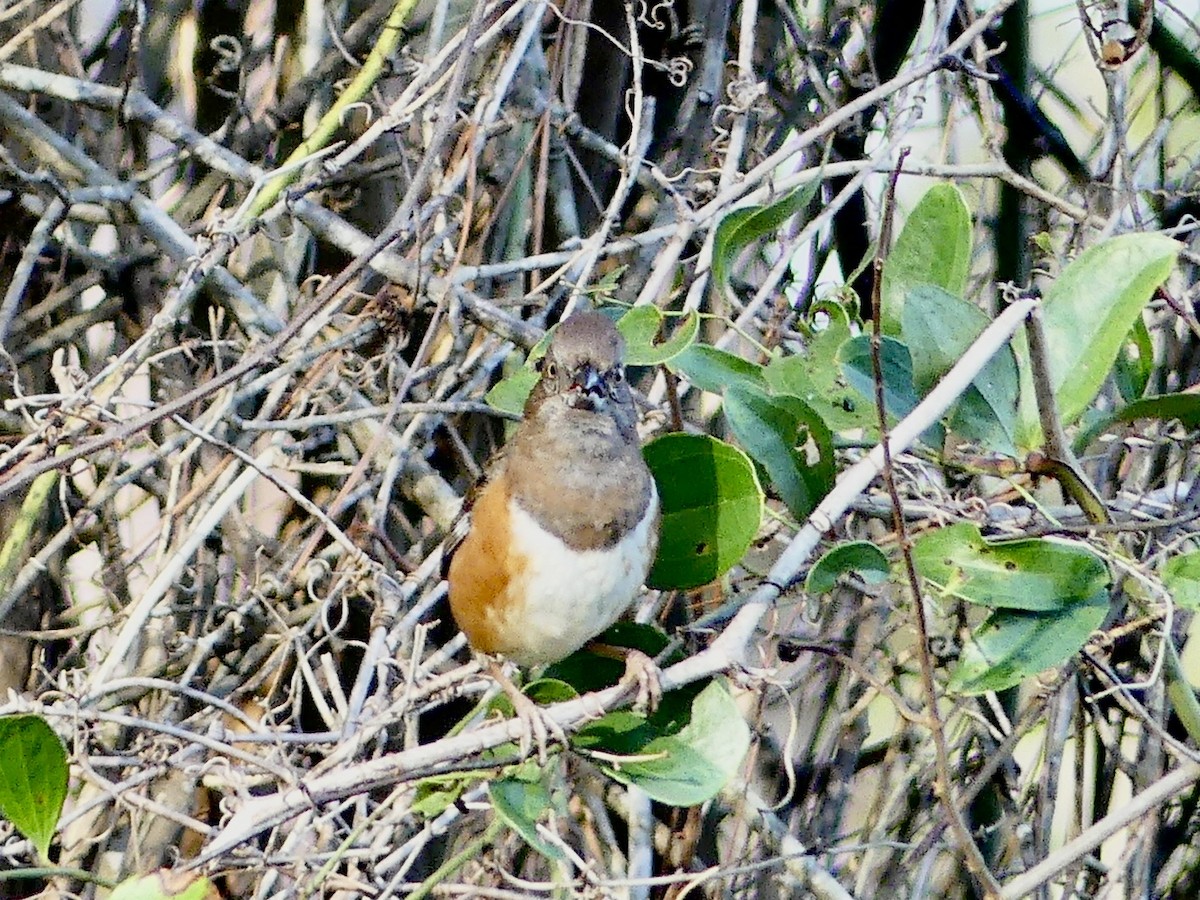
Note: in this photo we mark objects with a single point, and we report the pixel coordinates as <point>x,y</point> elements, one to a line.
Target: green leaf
<point>861,557</point>
<point>934,247</point>
<point>435,794</point>
<point>1181,575</point>
<point>1012,645</point>
<point>692,766</point>
<point>622,732</point>
<point>165,884</point>
<point>1087,313</point>
<point>641,327</point>
<point>670,772</point>
<point>711,508</point>
<point>1135,362</point>
<point>717,730</point>
<point>33,778</point>
<point>743,226</point>
<point>938,329</point>
<point>986,413</point>
<point>509,394</point>
<point>1033,574</point>
<point>788,439</point>
<point>816,377</point>
<point>714,370</point>
<point>1184,407</point>
<point>899,394</point>
<point>520,804</point>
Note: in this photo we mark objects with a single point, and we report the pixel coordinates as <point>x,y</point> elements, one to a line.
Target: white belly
<point>564,597</point>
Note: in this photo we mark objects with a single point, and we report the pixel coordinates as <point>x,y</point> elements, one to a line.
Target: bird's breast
<point>559,597</point>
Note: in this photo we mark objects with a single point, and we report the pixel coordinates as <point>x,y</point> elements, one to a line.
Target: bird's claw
<point>643,674</point>
<point>539,729</point>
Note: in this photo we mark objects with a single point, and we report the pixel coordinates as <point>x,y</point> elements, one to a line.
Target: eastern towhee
<point>556,541</point>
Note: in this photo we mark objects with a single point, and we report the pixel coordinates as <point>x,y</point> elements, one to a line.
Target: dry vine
<point>243,380</point>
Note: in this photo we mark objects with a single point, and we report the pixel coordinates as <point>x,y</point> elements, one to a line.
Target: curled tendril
<point>678,69</point>
<point>660,16</point>
<point>368,111</point>
<point>229,53</point>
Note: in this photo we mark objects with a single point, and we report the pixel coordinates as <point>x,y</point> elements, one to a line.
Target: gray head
<point>584,370</point>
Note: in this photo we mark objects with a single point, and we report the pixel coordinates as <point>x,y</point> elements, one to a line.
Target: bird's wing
<point>461,525</point>
<point>459,528</point>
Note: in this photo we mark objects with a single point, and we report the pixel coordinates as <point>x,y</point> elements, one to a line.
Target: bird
<point>556,540</point>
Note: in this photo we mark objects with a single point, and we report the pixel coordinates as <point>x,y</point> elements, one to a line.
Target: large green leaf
<point>621,731</point>
<point>711,508</point>
<point>742,227</point>
<point>714,370</point>
<point>934,247</point>
<point>642,326</point>
<point>1032,574</point>
<point>938,329</point>
<point>788,439</point>
<point>509,394</point>
<point>1087,314</point>
<point>1012,645</point>
<point>899,395</point>
<point>815,376</point>
<point>33,778</point>
<point>692,766</point>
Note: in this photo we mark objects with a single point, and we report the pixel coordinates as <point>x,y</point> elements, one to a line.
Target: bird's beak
<point>588,380</point>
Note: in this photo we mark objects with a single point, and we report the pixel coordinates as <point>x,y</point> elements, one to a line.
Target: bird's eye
<point>551,370</point>
<point>617,375</point>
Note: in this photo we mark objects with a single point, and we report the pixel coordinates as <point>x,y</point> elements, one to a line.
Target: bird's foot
<point>539,729</point>
<point>643,674</point>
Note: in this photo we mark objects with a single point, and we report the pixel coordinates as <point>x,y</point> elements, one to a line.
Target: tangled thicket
<point>261,262</point>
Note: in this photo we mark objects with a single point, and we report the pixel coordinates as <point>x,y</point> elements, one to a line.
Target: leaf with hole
<point>1012,645</point>
<point>33,778</point>
<point>1035,574</point>
<point>815,375</point>
<point>711,508</point>
<point>788,439</point>
<point>899,395</point>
